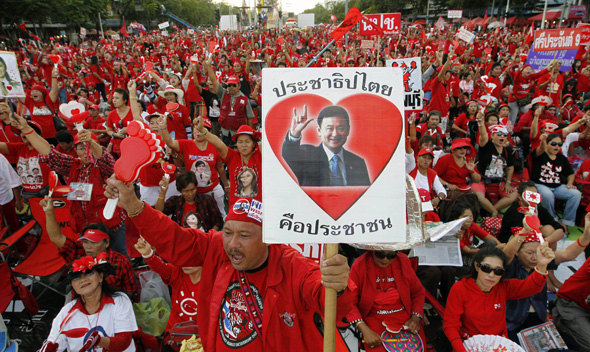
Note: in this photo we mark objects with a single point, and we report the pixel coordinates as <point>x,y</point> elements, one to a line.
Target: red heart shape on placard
<point>376,128</point>
<point>75,111</point>
<point>54,58</point>
<point>9,87</point>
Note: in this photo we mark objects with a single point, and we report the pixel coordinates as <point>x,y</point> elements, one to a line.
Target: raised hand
<point>143,247</point>
<point>299,122</point>
<point>470,164</point>
<point>544,256</point>
<point>47,204</point>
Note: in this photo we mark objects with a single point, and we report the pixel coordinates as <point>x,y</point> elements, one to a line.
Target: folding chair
<point>44,266</point>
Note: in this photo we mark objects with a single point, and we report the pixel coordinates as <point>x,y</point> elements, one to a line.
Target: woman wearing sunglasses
<point>97,318</point>
<point>554,177</point>
<point>477,303</point>
<point>388,301</point>
<point>496,165</point>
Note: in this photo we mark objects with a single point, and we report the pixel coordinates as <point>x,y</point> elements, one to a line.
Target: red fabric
<point>113,122</point>
<point>550,90</point>
<point>461,122</point>
<point>9,135</point>
<point>192,154</point>
<point>522,85</point>
<point>576,288</point>
<point>470,311</point>
<point>151,175</point>
<point>448,170</point>
<point>92,124</point>
<point>473,230</point>
<point>440,98</point>
<point>178,121</point>
<point>42,113</point>
<point>293,284</point>
<point>238,108</point>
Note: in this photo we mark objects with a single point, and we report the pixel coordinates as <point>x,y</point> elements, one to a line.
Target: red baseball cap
<point>94,235</point>
<point>245,129</point>
<point>233,80</point>
<point>94,107</point>
<point>207,123</point>
<point>424,151</point>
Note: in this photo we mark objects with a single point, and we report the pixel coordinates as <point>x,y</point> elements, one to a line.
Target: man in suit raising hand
<point>327,164</point>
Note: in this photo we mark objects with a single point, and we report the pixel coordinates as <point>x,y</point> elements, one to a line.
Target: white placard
<point>412,75</point>
<point>11,85</point>
<point>465,35</point>
<point>367,44</point>
<point>164,33</point>
<point>115,36</point>
<point>82,31</point>
<point>369,205</point>
<point>164,25</point>
<point>190,31</point>
<point>455,14</point>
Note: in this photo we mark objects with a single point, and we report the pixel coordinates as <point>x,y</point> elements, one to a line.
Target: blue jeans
<point>63,96</point>
<point>572,199</point>
<point>118,241</point>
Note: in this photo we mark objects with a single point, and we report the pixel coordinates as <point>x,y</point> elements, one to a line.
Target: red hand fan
<point>195,59</point>
<point>54,58</point>
<point>79,119</point>
<point>172,107</point>
<point>169,169</point>
<point>75,333</point>
<point>53,182</point>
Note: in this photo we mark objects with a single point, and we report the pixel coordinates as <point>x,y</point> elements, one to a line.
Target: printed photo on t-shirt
<point>247,183</point>
<point>203,173</point>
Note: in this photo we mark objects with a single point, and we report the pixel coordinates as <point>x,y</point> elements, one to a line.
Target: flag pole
<point>321,52</point>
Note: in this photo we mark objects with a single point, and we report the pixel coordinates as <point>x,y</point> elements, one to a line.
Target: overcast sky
<point>296,6</point>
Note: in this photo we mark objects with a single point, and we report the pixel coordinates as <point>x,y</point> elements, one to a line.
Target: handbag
<point>523,101</point>
<point>180,332</point>
<point>58,122</point>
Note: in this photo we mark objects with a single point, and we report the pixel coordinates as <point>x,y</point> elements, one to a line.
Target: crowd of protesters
<point>492,129</point>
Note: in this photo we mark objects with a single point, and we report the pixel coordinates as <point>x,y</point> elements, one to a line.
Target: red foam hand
<point>533,222</point>
<point>79,117</point>
<point>168,168</point>
<point>137,151</point>
<point>53,181</point>
<point>93,340</point>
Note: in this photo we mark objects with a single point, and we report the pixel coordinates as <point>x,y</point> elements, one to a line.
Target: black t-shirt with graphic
<point>491,164</point>
<point>548,172</point>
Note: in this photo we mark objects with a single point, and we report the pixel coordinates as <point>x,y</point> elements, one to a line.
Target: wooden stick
<point>330,307</point>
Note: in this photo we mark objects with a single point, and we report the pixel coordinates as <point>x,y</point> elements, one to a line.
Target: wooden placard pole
<point>330,307</point>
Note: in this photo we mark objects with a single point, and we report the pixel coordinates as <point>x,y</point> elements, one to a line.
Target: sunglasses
<point>382,255</point>
<point>459,148</point>
<point>488,269</point>
<point>232,85</point>
<point>78,275</point>
<point>502,134</point>
<point>555,144</point>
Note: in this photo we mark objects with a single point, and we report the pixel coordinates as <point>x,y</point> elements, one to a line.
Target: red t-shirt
<point>206,170</point>
<point>42,113</point>
<point>576,288</point>
<point>234,163</point>
<point>151,175</point>
<point>440,99</point>
<point>552,89</point>
<point>9,135</point>
<point>92,124</point>
<point>115,122</point>
<point>235,327</point>
<point>176,125</point>
<point>33,173</point>
<point>473,230</point>
<point>461,122</point>
<point>448,170</point>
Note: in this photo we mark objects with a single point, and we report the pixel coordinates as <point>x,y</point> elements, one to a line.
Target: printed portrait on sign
<point>10,81</point>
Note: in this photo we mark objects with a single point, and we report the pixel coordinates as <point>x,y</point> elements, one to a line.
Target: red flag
<point>333,18</point>
<point>529,36</point>
<point>35,37</point>
<point>375,26</point>
<point>423,35</point>
<point>485,21</point>
<point>123,29</point>
<point>23,27</point>
<point>352,17</point>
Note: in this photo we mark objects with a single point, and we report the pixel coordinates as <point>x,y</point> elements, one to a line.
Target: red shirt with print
<point>207,177</point>
<point>115,122</point>
<point>42,113</point>
<point>236,166</point>
<point>33,173</point>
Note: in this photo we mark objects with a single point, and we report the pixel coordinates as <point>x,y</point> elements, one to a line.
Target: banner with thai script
<point>540,59</point>
<point>389,22</point>
<point>333,150</point>
<point>557,39</point>
<point>585,27</point>
<point>454,13</point>
<point>412,80</point>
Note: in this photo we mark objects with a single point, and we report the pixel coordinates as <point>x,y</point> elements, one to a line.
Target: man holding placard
<point>262,297</point>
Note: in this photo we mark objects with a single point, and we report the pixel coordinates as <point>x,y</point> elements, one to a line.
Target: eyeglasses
<point>555,144</point>
<point>79,275</point>
<point>488,269</point>
<point>382,255</point>
<point>232,85</point>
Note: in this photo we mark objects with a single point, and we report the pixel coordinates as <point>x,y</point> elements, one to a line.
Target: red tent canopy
<point>553,16</point>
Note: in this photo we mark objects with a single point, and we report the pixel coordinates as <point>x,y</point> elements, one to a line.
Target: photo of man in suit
<point>327,164</point>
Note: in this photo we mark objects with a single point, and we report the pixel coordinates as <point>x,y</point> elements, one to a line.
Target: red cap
<point>40,88</point>
<point>77,139</point>
<point>245,129</point>
<point>94,235</point>
<point>460,142</point>
<point>95,107</point>
<point>246,210</point>
<point>424,195</point>
<point>207,123</point>
<point>233,80</point>
<point>549,125</point>
<point>424,151</point>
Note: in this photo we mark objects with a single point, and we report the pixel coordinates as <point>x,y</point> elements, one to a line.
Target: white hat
<point>170,89</point>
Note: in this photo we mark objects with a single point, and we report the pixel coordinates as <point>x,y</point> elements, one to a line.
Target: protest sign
<point>11,85</point>
<point>115,36</point>
<point>357,199</point>
<point>190,31</point>
<point>164,25</point>
<point>557,39</point>
<point>540,59</point>
<point>465,35</point>
<point>585,27</point>
<point>578,10</point>
<point>454,13</point>
<point>311,251</point>
<point>412,80</point>
<point>367,44</point>
<point>83,31</point>
<point>164,33</point>
<point>389,22</point>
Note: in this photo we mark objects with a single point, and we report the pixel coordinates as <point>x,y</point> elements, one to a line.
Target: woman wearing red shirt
<point>42,105</point>
<point>118,119</point>
<point>454,169</point>
<point>477,303</point>
<point>460,124</point>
